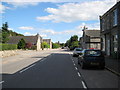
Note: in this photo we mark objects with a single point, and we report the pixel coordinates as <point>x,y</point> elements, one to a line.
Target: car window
<point>78,49</point>
<point>93,53</point>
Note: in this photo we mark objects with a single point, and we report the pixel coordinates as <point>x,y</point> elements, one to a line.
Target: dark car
<point>91,57</point>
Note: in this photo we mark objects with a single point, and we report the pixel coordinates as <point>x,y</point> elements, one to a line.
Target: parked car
<point>77,52</point>
<point>91,57</point>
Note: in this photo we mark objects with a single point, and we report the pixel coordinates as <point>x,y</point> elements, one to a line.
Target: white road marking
<point>27,68</point>
<point>74,64</point>
<point>1,82</point>
<point>84,86</point>
<point>79,74</point>
<point>76,68</point>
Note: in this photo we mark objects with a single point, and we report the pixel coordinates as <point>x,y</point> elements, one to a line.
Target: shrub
<point>21,44</point>
<point>34,47</point>
<point>8,46</point>
<point>28,45</point>
<point>45,45</point>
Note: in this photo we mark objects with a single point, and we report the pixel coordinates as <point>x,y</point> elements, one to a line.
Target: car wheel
<point>82,65</point>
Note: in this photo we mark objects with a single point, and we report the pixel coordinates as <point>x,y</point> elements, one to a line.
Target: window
<point>115,42</point>
<point>93,53</point>
<point>115,17</point>
<point>103,23</point>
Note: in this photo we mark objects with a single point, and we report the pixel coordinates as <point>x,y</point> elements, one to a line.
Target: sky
<point>54,19</point>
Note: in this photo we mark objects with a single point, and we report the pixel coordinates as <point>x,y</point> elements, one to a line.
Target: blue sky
<point>55,19</point>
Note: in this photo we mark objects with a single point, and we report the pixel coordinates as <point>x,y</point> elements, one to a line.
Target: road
<point>59,70</point>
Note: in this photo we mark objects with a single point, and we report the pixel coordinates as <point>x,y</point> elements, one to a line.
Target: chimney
<point>118,0</point>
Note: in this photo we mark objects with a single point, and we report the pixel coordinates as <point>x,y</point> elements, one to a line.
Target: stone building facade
<point>110,30</point>
<point>90,39</point>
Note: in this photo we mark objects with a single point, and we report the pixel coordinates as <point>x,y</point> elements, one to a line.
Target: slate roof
<point>15,39</point>
<point>92,33</point>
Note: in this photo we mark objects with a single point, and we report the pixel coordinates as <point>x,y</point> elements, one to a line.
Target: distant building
<point>90,39</point>
<point>49,42</point>
<point>35,40</point>
<point>110,30</point>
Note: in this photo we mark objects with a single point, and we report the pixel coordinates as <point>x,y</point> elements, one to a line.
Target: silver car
<point>77,52</point>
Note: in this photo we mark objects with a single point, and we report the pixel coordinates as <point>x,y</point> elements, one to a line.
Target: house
<point>110,30</point>
<point>90,39</point>
<point>35,40</point>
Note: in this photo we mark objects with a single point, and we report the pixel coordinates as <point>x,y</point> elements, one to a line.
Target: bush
<point>8,46</point>
<point>34,47</point>
<point>28,45</point>
<point>45,45</point>
<point>21,44</point>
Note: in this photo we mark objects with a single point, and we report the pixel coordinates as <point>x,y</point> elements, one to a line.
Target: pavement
<point>113,65</point>
<point>12,64</point>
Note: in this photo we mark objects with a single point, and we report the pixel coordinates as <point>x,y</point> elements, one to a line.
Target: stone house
<point>110,30</point>
<point>35,40</point>
<point>90,39</point>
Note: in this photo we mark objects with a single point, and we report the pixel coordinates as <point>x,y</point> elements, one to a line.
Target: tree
<point>72,42</point>
<point>55,45</point>
<point>5,33</point>
<point>45,45</point>
<point>21,44</point>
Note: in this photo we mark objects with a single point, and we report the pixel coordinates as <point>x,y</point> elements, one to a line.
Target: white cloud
<point>3,8</point>
<point>26,28</point>
<point>85,11</point>
<point>22,4</point>
<point>29,34</point>
<point>89,26</point>
<point>43,35</point>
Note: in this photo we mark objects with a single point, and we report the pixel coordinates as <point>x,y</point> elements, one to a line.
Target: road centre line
<point>76,68</point>
<point>79,74</point>
<point>1,82</point>
<point>84,86</point>
<point>27,68</point>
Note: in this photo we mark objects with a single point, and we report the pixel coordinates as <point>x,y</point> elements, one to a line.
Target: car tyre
<point>74,55</point>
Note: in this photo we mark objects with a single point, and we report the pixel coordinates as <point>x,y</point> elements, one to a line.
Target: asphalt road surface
<point>59,70</point>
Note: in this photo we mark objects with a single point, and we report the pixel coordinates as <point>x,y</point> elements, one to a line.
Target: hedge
<point>8,46</point>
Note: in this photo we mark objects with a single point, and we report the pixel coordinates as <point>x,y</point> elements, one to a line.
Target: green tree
<point>45,45</point>
<point>55,45</point>
<point>72,42</point>
<point>21,44</point>
<point>5,33</point>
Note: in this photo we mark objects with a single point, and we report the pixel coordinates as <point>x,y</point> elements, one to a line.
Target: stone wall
<point>8,53</point>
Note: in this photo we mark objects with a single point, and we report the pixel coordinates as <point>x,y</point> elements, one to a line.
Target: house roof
<point>15,39</point>
<point>92,33</point>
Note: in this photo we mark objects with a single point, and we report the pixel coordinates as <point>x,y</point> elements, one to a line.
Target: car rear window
<point>93,53</point>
